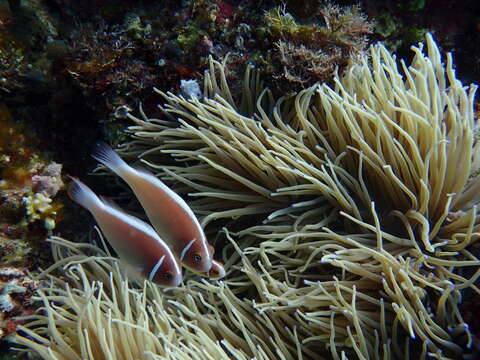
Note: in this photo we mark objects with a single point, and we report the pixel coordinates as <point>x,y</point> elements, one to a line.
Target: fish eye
<point>167,276</point>
<point>197,258</point>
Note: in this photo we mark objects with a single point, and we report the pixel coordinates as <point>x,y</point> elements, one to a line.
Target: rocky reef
<point>29,211</point>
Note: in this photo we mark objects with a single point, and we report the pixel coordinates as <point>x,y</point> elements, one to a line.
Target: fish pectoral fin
<point>186,248</point>
<point>134,272</point>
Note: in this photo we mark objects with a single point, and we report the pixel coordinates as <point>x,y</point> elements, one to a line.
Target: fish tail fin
<point>83,195</point>
<point>104,154</point>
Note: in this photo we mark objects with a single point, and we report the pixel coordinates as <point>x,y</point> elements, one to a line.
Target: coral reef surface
<point>29,211</point>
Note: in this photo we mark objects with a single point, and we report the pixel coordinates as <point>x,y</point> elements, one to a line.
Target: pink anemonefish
<point>135,241</point>
<point>169,214</point>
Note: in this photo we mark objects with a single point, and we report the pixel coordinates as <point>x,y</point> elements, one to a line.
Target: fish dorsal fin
<point>141,169</point>
<point>111,203</point>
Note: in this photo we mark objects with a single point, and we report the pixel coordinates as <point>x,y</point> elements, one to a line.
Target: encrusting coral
<point>351,214</point>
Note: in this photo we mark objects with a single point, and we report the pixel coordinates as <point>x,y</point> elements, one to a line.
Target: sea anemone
<point>94,312</point>
<point>351,214</point>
